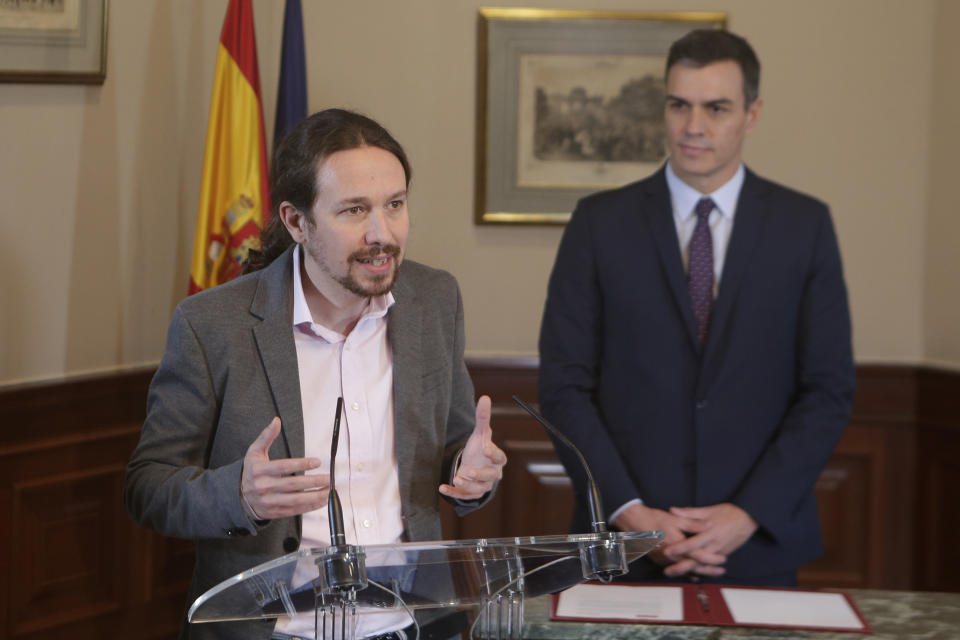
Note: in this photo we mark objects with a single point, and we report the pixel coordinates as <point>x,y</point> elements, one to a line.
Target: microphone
<point>334,510</point>
<point>343,567</point>
<point>597,522</point>
<point>607,559</point>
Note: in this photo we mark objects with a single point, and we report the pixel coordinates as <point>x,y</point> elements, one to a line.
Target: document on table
<point>710,604</point>
<point>594,601</point>
<point>790,608</point>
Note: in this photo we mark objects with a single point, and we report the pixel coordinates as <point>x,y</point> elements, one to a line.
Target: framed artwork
<point>53,41</point>
<point>568,103</point>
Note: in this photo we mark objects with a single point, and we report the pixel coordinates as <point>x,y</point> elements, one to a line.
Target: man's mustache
<point>391,250</point>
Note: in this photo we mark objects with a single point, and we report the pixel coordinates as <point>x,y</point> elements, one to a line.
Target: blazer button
<point>290,544</point>
<point>701,404</point>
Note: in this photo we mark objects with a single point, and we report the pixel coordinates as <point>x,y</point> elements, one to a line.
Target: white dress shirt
<point>684,198</point>
<point>359,368</point>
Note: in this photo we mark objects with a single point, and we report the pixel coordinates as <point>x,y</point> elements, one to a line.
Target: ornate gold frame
<point>92,42</point>
<point>490,91</point>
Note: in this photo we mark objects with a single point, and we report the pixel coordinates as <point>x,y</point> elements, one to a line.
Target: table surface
<point>893,615</point>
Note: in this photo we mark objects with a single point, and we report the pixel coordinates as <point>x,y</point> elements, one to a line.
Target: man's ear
<point>753,113</point>
<point>294,220</point>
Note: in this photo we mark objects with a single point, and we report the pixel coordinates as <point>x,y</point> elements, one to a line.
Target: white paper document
<point>598,602</point>
<point>790,608</point>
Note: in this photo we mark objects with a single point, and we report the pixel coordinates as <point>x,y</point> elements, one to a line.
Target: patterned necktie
<point>700,278</point>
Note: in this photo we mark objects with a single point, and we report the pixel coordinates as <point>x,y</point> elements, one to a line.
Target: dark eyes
<point>356,210</point>
<point>712,108</point>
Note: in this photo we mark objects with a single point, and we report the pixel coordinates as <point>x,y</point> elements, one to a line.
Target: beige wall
<point>942,259</point>
<point>100,184</point>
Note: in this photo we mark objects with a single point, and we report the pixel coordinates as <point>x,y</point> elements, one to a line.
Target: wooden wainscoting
<point>72,564</point>
<point>865,499</point>
<point>938,481</point>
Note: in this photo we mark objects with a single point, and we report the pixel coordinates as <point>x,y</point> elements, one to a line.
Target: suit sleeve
<point>462,416</point>
<point>821,408</point>
<point>570,351</point>
<point>167,486</point>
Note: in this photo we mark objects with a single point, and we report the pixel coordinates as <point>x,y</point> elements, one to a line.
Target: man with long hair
<point>235,449</point>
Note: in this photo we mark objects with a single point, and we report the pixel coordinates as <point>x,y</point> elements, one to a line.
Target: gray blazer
<point>230,366</point>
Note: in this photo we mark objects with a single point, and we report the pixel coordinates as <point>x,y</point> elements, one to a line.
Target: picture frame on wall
<point>569,103</point>
<point>53,41</point>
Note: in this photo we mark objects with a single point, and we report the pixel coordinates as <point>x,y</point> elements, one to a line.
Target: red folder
<point>705,604</point>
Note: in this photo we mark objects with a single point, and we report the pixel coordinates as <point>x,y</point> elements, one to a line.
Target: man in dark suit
<point>696,341</point>
<point>235,449</point>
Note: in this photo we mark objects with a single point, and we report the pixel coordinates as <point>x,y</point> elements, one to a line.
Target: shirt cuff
<point>616,514</point>
<point>455,467</point>
<point>247,509</point>
<point>453,473</point>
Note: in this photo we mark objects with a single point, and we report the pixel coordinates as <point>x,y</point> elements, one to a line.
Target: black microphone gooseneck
<point>334,510</point>
<point>597,521</point>
<point>604,558</point>
<point>343,567</point>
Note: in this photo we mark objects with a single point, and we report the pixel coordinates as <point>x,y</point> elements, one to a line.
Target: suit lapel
<point>273,304</point>
<point>404,331</point>
<point>659,212</point>
<point>747,227</point>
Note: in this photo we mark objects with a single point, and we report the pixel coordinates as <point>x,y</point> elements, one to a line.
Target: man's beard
<point>381,284</point>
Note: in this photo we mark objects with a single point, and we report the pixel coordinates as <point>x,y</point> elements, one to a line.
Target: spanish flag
<point>234,195</point>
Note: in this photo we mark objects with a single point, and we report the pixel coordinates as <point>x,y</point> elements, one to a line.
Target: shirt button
<point>360,467</point>
<point>366,524</point>
<point>356,406</point>
<point>347,347</point>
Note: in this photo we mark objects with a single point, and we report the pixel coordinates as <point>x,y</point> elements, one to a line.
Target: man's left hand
<point>481,463</point>
<point>728,527</point>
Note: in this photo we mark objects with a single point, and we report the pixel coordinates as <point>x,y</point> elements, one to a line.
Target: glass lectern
<point>494,575</point>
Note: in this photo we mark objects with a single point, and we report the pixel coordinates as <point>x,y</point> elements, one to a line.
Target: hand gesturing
<point>271,488</point>
<point>481,463</point>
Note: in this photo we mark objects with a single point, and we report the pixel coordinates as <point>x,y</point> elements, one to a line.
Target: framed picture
<point>53,41</point>
<point>568,103</point>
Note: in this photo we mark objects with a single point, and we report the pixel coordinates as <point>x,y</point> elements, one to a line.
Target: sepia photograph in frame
<point>569,103</point>
<point>53,41</point>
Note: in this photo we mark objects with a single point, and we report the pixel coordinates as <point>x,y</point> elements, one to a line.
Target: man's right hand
<point>705,562</point>
<point>270,487</point>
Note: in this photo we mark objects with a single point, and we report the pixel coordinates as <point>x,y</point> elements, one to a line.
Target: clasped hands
<point>697,540</point>
<point>278,488</point>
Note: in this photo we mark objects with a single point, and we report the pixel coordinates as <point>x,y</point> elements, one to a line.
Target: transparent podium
<point>493,576</point>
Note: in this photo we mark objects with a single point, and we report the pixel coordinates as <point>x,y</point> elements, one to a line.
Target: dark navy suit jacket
<point>750,418</point>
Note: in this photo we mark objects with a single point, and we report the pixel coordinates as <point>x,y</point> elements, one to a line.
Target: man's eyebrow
<point>353,200</point>
<point>709,103</point>
<point>364,200</point>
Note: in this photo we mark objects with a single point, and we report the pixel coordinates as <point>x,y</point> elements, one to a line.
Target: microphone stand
<point>343,568</point>
<point>606,558</point>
